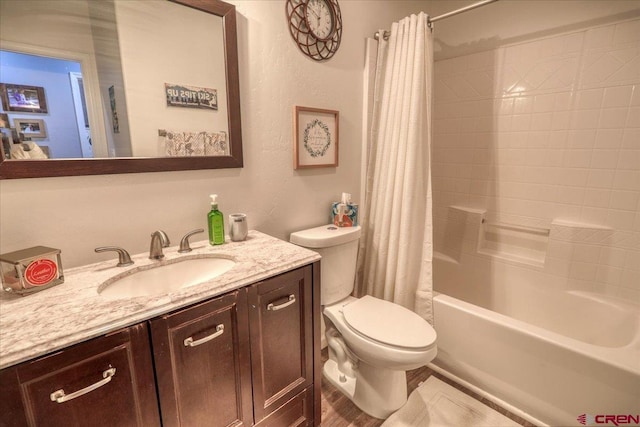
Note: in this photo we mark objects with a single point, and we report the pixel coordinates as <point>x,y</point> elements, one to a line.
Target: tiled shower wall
<point>548,130</point>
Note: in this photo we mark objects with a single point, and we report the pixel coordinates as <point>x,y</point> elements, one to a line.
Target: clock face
<point>319,17</point>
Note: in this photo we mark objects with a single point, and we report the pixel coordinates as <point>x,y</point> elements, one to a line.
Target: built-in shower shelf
<point>513,242</point>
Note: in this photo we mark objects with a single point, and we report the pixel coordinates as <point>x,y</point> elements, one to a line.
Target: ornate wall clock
<point>316,26</point>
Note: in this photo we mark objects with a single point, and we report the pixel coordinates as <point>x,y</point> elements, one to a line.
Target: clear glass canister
<point>30,270</point>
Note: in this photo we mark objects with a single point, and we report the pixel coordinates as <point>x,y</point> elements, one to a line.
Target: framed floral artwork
<point>315,138</point>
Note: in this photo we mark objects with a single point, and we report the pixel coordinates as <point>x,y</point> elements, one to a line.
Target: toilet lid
<point>388,323</point>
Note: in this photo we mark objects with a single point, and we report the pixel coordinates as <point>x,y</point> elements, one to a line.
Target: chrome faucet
<point>159,240</point>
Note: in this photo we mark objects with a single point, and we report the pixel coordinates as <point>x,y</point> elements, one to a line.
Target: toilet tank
<point>338,247</point>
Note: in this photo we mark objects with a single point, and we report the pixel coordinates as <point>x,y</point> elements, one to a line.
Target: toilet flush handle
<point>275,307</point>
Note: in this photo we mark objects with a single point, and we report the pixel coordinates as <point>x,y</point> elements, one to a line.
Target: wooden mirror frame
<point>14,169</point>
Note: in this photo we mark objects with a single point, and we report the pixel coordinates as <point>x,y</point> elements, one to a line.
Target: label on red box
<point>41,272</point>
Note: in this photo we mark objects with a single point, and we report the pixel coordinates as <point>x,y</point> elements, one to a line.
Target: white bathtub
<point>550,356</point>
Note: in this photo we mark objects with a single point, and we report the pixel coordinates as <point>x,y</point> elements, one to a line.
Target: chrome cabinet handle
<point>274,307</point>
<point>60,396</point>
<point>190,342</point>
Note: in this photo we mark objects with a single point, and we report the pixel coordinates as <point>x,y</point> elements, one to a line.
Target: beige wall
<point>109,65</point>
<point>511,21</point>
<point>189,51</point>
<point>77,214</point>
<point>20,18</point>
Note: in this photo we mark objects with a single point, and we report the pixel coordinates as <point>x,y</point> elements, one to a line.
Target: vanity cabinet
<point>280,316</point>
<point>103,382</point>
<point>202,364</point>
<point>248,357</point>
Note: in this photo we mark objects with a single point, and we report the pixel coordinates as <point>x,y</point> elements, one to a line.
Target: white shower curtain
<point>395,258</point>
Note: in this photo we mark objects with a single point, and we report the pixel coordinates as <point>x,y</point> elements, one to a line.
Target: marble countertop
<point>73,312</point>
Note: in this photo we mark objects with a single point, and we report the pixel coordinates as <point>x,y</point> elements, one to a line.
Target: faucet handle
<point>164,239</point>
<point>124,259</point>
<point>184,243</point>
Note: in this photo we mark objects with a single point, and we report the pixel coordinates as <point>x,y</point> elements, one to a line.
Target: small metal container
<point>238,227</point>
<point>31,270</point>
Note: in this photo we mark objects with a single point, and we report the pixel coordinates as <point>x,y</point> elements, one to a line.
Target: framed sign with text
<point>191,96</point>
<point>315,137</point>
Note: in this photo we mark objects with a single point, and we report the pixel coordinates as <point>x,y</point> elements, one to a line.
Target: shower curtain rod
<point>385,33</point>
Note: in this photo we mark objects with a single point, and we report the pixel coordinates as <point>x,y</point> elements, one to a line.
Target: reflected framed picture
<point>315,137</point>
<point>22,98</point>
<point>33,128</point>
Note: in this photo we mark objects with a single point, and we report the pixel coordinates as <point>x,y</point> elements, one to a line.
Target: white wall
<point>544,132</point>
<point>77,214</point>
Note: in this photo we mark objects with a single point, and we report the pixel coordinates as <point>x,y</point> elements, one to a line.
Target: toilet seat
<point>372,350</point>
<point>388,323</point>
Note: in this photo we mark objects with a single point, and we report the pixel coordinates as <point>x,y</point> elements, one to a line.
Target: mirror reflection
<point>28,134</point>
<point>85,79</point>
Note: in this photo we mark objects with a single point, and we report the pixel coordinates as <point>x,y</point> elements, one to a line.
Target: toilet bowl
<point>372,342</point>
<point>382,340</point>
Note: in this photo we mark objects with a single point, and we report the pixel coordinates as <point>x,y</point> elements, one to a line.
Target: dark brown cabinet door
<point>280,315</point>
<point>202,364</point>
<point>296,412</point>
<point>107,381</point>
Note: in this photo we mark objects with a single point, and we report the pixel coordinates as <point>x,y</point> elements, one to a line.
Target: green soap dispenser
<point>215,220</point>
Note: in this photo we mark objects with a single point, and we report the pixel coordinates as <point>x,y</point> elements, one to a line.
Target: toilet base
<point>377,392</point>
<point>342,382</point>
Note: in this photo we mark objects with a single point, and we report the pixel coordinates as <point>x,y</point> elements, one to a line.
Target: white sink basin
<point>166,278</point>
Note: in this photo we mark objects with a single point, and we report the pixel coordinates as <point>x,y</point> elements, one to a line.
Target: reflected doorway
<point>65,124</point>
<point>82,118</point>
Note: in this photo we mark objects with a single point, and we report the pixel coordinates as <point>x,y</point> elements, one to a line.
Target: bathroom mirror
<point>124,91</point>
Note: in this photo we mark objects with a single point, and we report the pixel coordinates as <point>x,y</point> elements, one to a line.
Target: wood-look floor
<point>339,411</point>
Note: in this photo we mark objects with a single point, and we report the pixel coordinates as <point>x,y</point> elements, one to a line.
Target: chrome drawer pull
<point>273,307</point>
<point>60,397</point>
<point>189,342</point>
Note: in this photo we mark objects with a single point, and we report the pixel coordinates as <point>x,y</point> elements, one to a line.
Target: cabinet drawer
<point>280,316</point>
<point>296,412</point>
<point>107,381</point>
<point>202,364</point>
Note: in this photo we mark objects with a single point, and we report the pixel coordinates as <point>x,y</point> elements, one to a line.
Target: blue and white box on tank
<point>344,213</point>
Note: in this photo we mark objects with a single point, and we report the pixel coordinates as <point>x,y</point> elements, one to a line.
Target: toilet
<point>372,342</point>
